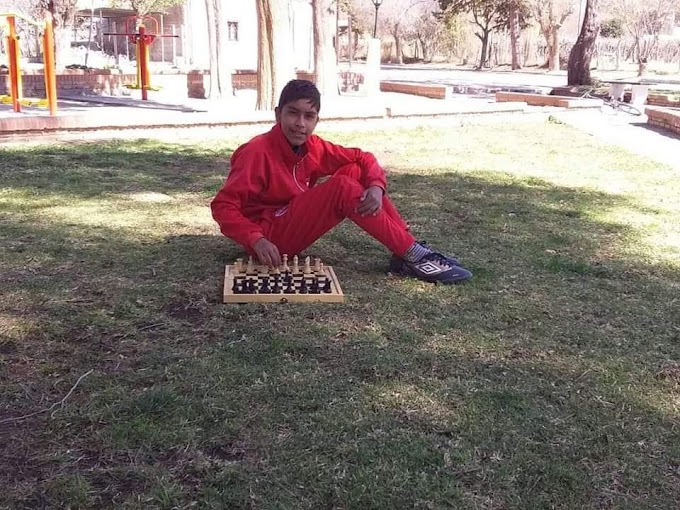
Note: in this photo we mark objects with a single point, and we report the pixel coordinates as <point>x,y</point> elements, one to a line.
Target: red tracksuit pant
<point>316,211</point>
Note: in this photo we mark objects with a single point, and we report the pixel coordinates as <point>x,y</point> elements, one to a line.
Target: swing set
<point>15,98</point>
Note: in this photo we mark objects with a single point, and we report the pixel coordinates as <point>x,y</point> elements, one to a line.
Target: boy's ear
<point>277,113</point>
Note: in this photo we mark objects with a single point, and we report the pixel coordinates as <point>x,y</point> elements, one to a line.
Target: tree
<point>582,52</point>
<point>393,19</point>
<point>275,66</point>
<point>612,28</point>
<point>63,16</point>
<point>551,15</point>
<point>488,16</point>
<point>220,72</point>
<point>324,54</point>
<point>425,27</point>
<point>644,22</point>
<point>513,25</point>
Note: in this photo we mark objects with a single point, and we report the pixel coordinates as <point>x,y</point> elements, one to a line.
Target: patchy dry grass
<point>550,381</point>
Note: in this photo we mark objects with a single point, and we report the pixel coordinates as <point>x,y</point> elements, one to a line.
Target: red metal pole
<point>143,56</point>
<point>50,72</point>
<point>14,78</point>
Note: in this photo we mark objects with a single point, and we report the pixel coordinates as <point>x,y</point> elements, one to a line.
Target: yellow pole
<point>139,69</point>
<point>50,71</point>
<point>14,67</point>
<point>143,61</point>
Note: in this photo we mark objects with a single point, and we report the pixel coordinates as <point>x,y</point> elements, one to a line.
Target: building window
<point>232,30</point>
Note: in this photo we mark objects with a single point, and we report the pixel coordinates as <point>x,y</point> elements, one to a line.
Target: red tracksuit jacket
<point>266,174</point>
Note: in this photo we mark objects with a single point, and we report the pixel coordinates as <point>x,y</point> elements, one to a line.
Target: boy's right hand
<point>267,252</point>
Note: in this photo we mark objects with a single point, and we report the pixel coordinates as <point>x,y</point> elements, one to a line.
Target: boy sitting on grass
<point>270,203</point>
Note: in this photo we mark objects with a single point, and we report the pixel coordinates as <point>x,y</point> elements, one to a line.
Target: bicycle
<point>611,102</point>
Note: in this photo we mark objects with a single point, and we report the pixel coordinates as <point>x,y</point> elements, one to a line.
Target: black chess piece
<point>289,288</point>
<point>303,287</point>
<point>235,288</point>
<point>327,287</point>
<point>314,287</point>
<point>264,286</point>
<point>252,288</point>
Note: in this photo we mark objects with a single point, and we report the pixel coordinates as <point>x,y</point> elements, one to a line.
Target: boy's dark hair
<point>300,89</point>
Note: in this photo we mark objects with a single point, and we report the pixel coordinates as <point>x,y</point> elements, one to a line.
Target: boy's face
<point>298,120</point>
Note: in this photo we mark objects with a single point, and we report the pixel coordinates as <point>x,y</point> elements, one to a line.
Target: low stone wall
<point>547,100</point>
<point>103,82</point>
<point>199,81</point>
<point>417,89</point>
<point>664,118</point>
<point>112,83</point>
<point>663,100</point>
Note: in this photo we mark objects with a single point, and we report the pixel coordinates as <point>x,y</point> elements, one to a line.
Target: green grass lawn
<point>551,380</point>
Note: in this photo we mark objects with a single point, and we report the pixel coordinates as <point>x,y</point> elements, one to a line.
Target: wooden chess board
<point>255,283</point>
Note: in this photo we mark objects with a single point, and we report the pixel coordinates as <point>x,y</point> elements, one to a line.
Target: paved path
<point>630,132</point>
<point>168,111</point>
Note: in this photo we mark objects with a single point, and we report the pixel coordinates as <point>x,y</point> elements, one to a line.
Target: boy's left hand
<point>371,201</point>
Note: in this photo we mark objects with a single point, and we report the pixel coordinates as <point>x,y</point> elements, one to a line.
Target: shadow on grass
<point>547,381</point>
<point>88,170</point>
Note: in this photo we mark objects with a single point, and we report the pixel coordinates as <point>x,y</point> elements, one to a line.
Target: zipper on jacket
<point>295,173</point>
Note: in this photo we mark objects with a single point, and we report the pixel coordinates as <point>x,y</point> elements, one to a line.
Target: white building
<point>189,23</point>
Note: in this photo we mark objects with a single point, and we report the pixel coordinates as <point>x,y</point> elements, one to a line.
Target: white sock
<point>416,252</point>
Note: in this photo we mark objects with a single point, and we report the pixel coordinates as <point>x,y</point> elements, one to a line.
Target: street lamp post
<point>377,4</point>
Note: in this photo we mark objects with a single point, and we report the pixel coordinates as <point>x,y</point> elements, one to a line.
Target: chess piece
<point>327,287</point>
<point>285,267</point>
<point>238,266</point>
<point>317,264</point>
<point>249,267</point>
<point>314,288</point>
<point>308,268</point>
<point>235,288</point>
<point>289,288</point>
<point>296,268</point>
<point>264,286</point>
<point>303,287</point>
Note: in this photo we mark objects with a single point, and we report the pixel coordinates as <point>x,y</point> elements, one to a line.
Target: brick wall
<point>664,118</point>
<point>199,81</point>
<point>71,82</point>
<point>418,89</point>
<point>663,100</point>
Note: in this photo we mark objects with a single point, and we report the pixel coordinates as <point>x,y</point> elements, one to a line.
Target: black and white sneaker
<point>433,267</point>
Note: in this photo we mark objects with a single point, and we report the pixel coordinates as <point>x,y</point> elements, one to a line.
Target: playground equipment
<point>15,85</point>
<point>142,40</point>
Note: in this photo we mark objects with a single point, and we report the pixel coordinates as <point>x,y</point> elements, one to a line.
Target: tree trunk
<point>426,50</point>
<point>514,37</point>
<point>485,48</point>
<point>220,73</point>
<point>554,49</point>
<point>641,59</point>
<point>325,58</point>
<point>265,54</point>
<point>582,52</point>
<point>275,68</point>
<point>399,57</point>
<point>398,49</point>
